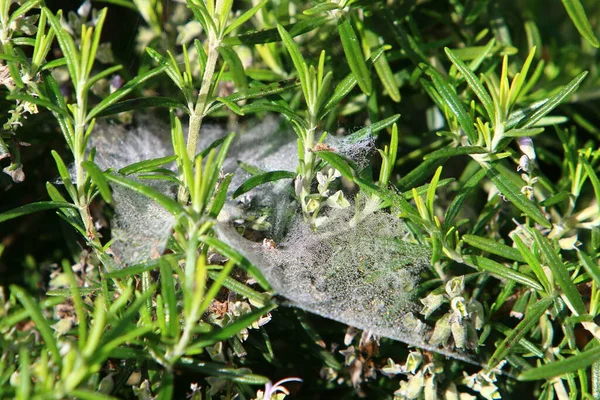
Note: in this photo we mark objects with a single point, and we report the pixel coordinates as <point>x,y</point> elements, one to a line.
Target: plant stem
<point>79,155</point>
<point>203,96</point>
<point>198,114</point>
<point>307,173</point>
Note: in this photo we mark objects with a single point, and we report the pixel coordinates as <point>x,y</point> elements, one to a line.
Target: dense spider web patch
<point>362,274</point>
<point>361,271</point>
<point>140,227</point>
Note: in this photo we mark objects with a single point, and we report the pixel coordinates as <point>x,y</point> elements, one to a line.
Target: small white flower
<point>526,147</point>
<point>84,9</point>
<point>392,368</point>
<point>275,388</point>
<point>431,303</point>
<point>312,205</point>
<point>413,361</point>
<point>455,286</point>
<point>337,200</point>
<point>524,164</point>
<point>569,243</point>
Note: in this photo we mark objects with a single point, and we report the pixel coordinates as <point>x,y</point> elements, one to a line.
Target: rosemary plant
<point>480,202</point>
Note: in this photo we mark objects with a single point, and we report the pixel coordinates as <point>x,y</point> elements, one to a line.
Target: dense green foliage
<point>485,115</point>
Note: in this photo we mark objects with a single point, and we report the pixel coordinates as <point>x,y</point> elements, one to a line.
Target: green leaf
<point>24,384</point>
<point>447,152</point>
<point>67,45</point>
<point>460,198</point>
<point>17,316</point>
<point>99,19</point>
<point>235,67</point>
<point>386,76</point>
<point>213,145</point>
<point>101,75</point>
<point>322,8</point>
<point>513,193</point>
<point>98,178</point>
<point>166,388</point>
<point>240,288</point>
<point>346,85</point>
<point>532,317</point>
<point>33,208</point>
<point>41,323</point>
<point>407,42</point>
<point>580,20</point>
<point>534,263</point>
<point>140,104</point>
<point>590,266</point>
<point>146,165</point>
<point>271,106</point>
<point>65,175</point>
<point>552,102</point>
<point>123,324</point>
<point>297,58</point>
<point>240,375</point>
<point>526,344</point>
<point>170,299</point>
<point>122,92</point>
<point>448,94</point>
<point>203,15</point>
<point>244,17</point>
<point>419,174</point>
<point>523,132</point>
<point>354,55</point>
<point>272,35</point>
<point>474,84</point>
<point>56,97</point>
<point>592,175</point>
<point>560,274</point>
<point>503,271</point>
<point>168,203</point>
<point>90,395</point>
<point>565,366</point>
<point>494,247</point>
<point>121,3</point>
<point>338,162</point>
<point>372,129</point>
<point>171,68</point>
<point>256,92</point>
<point>519,81</point>
<point>231,329</point>
<point>125,331</point>
<point>257,180</point>
<point>184,162</point>
<point>220,196</point>
<point>56,196</point>
<point>229,104</point>
<point>143,267</point>
<point>232,254</point>
<point>555,199</point>
<point>218,165</point>
<point>13,58</point>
